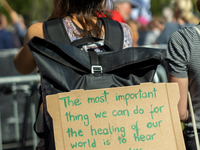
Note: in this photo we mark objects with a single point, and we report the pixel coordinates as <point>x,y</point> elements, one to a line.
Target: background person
<point>122,10</point>
<point>80,19</point>
<point>167,14</point>
<point>143,29</point>
<point>156,26</point>
<point>183,11</point>
<point>134,30</point>
<point>143,9</point>
<point>6,37</point>
<point>18,24</point>
<point>183,62</point>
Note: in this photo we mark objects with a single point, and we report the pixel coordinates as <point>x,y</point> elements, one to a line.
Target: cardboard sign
<point>143,117</point>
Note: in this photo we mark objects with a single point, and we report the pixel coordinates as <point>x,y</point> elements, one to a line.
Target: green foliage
<point>40,10</point>
<point>196,12</point>
<point>158,5</point>
<point>32,10</point>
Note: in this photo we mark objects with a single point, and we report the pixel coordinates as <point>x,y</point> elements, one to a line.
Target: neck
<point>75,20</point>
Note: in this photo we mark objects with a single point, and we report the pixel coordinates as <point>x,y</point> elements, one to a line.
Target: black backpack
<point>67,68</point>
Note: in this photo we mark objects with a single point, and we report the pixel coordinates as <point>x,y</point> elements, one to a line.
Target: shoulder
<point>189,30</point>
<point>127,35</point>
<point>6,36</point>
<point>171,24</point>
<point>187,34</point>
<point>5,32</point>
<point>36,26</point>
<point>125,26</point>
<point>178,53</point>
<point>187,25</point>
<point>127,30</point>
<point>35,30</point>
<point>183,43</point>
<point>171,27</point>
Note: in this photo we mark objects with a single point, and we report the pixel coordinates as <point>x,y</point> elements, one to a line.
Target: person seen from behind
<point>122,10</point>
<point>183,12</point>
<point>143,29</point>
<point>156,26</point>
<point>183,63</point>
<point>80,19</point>
<point>6,37</point>
<point>18,23</point>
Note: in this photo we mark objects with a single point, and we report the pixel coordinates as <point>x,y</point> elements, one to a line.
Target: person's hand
<point>6,5</point>
<point>14,16</point>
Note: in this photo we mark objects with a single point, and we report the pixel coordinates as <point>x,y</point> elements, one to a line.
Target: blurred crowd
<point>11,34</point>
<point>147,29</point>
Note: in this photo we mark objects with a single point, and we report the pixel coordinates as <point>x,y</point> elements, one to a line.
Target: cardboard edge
<point>173,98</point>
<point>147,83</point>
<point>53,109</point>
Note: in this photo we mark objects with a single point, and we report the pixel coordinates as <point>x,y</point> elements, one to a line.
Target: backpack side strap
<point>45,132</point>
<point>54,30</point>
<point>114,33</point>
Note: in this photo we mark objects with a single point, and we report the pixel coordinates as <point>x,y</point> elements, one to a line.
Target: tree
<point>32,10</point>
<point>158,5</point>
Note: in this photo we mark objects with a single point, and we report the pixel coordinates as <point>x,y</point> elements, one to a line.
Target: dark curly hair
<point>84,11</point>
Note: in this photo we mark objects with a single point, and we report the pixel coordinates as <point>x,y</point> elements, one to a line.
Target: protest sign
<point>141,117</point>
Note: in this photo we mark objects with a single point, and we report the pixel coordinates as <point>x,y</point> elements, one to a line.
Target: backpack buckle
<point>96,68</point>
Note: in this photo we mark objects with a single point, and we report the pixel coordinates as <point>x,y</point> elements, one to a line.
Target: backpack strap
<point>113,33</point>
<point>54,30</point>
